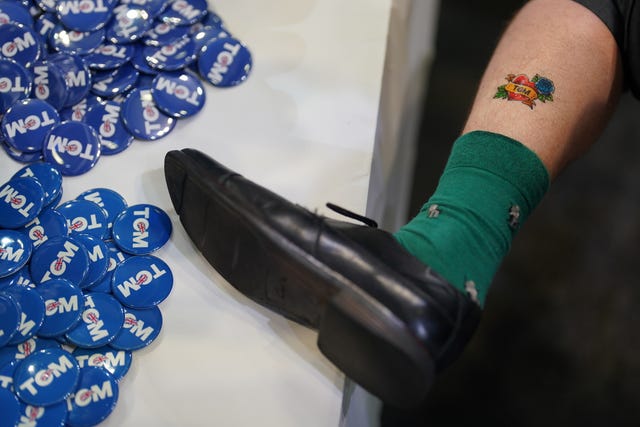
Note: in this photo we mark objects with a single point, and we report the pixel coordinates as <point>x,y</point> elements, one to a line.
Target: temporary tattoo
<point>520,88</point>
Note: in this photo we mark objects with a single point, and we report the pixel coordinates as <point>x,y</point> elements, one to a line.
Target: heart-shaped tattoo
<point>520,88</point>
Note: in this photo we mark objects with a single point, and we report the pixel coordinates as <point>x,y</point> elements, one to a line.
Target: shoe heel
<point>375,349</point>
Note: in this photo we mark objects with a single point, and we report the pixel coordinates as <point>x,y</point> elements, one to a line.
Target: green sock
<point>489,187</point>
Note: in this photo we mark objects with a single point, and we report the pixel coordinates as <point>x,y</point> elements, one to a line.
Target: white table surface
<point>303,125</point>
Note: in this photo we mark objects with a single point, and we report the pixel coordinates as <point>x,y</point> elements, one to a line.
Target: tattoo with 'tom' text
<point>520,88</point>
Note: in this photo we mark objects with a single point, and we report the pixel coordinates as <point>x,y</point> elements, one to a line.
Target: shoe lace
<point>349,214</point>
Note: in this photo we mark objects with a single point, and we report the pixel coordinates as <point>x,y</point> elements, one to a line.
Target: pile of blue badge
<point>80,79</point>
<point>79,292</point>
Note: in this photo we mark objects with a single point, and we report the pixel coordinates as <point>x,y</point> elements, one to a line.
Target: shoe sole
<point>358,334</point>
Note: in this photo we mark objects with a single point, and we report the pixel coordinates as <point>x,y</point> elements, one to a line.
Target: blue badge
<point>60,257</point>
<point>48,176</point>
<point>20,278</point>
<point>62,303</point>
<point>142,229</point>
<point>19,43</point>
<point>98,259</point>
<point>10,315</point>
<point>49,84</point>
<point>117,82</point>
<point>207,34</point>
<point>72,147</point>
<point>25,349</point>
<point>20,156</point>
<point>142,282</point>
<point>86,217</point>
<point>50,223</point>
<point>21,200</point>
<point>9,407</point>
<point>32,314</point>
<point>141,328</point>
<point>179,94</point>
<point>164,33</point>
<point>110,201</point>
<point>128,25</point>
<point>95,398</point>
<point>184,12</point>
<point>142,117</point>
<point>43,416</point>
<point>116,362</point>
<point>15,83</point>
<point>116,256</point>
<point>85,15</point>
<point>77,112</point>
<point>145,81</point>
<point>139,61</point>
<point>46,377</point>
<point>15,251</point>
<point>13,12</point>
<point>76,74</point>
<point>101,321</point>
<point>172,56</point>
<point>27,122</point>
<point>46,22</point>
<point>109,56</point>
<point>75,42</point>
<point>114,136</point>
<point>225,62</point>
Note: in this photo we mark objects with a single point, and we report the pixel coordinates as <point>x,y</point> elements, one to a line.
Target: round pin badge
<point>20,278</point>
<point>72,147</point>
<point>48,176</point>
<point>6,374</point>
<point>142,282</point>
<point>225,62</point>
<point>171,56</point>
<point>86,15</point>
<point>109,200</point>
<point>98,259</point>
<point>9,407</point>
<point>60,258</point>
<point>101,321</point>
<point>142,118</point>
<point>44,416</point>
<point>128,25</point>
<point>164,33</point>
<point>153,7</point>
<point>117,82</point>
<point>109,56</point>
<point>32,314</point>
<point>15,251</point>
<point>139,61</point>
<point>207,34</point>
<point>19,43</point>
<point>85,217</point>
<point>10,314</point>
<point>12,12</point>
<point>46,377</point>
<point>49,84</point>
<point>50,223</point>
<point>26,349</point>
<point>62,303</point>
<point>179,94</point>
<point>141,328</point>
<point>116,362</point>
<point>184,12</point>
<point>15,83</point>
<point>95,398</point>
<point>77,76</point>
<point>21,200</point>
<point>141,229</point>
<point>116,256</point>
<point>73,42</point>
<point>27,122</point>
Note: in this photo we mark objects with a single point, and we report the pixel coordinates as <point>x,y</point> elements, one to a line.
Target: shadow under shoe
<point>385,319</point>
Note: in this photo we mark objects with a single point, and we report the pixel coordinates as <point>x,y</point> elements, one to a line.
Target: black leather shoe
<point>385,319</point>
